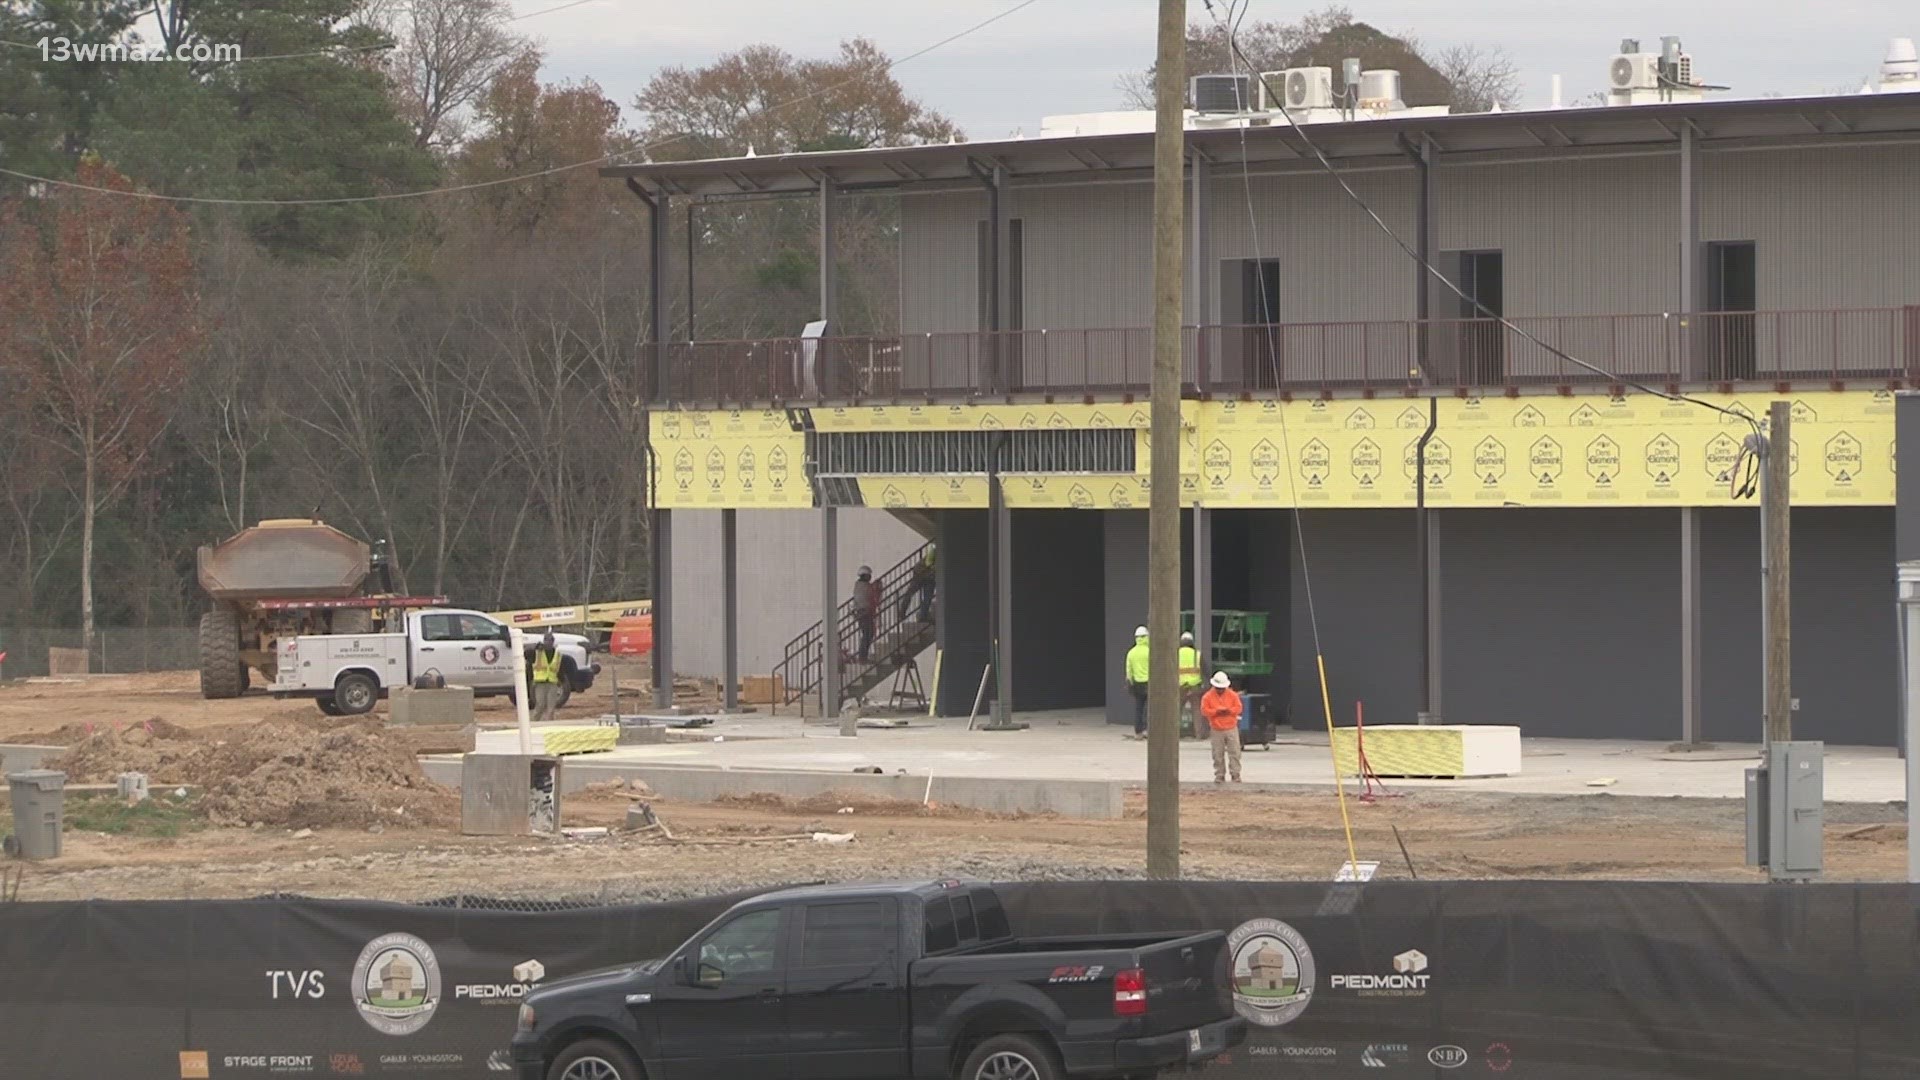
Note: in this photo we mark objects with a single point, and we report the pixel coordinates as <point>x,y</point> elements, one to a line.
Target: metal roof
<point>1517,134</point>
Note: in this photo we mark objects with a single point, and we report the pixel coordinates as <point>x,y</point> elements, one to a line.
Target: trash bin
<point>1256,720</point>
<point>39,797</point>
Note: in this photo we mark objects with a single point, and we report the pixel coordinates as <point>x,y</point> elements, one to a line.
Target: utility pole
<point>1163,507</point>
<point>1776,539</point>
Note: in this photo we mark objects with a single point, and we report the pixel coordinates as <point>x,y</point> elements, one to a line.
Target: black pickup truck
<point>886,982</point>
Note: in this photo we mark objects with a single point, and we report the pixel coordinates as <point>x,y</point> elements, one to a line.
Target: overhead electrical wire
<point>1232,31</point>
<point>1231,25</point>
<point>203,200</point>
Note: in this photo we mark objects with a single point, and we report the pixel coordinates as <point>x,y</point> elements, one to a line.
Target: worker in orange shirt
<point>1222,708</point>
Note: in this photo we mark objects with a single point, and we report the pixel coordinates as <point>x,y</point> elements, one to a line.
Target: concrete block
<point>453,705</point>
<point>20,757</point>
<point>509,794</point>
<point>65,661</point>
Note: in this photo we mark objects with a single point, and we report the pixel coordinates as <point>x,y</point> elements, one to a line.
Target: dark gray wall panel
<point>1125,562</point>
<point>1565,622</point>
<point>1906,433</point>
<point>962,608</point>
<point>1364,582</point>
<point>1058,611</point>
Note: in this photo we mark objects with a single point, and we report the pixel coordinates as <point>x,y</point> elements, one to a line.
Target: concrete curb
<point>1100,799</point>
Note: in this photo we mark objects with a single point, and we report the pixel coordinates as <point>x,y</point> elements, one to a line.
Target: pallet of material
<point>1438,752</point>
<point>578,740</point>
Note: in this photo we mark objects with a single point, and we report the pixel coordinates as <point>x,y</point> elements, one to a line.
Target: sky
<point>1063,56</point>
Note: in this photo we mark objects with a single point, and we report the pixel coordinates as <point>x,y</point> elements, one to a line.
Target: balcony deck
<point>1877,346</point>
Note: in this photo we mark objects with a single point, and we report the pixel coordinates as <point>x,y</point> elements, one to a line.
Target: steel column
<point>1690,626</point>
<point>1200,277</point>
<point>1420,152</point>
<point>829,612</point>
<point>1203,586</point>
<point>1689,298</point>
<point>730,609</point>
<point>823,367</point>
<point>662,541</point>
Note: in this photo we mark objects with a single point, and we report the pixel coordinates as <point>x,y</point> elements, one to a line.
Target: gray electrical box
<point>1786,812</point>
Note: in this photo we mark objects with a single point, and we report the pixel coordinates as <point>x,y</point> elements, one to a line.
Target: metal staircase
<point>899,636</point>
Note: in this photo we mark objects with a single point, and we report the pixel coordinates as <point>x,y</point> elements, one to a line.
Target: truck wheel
<point>354,694</point>
<point>567,673</point>
<point>1010,1057</point>
<point>221,673</point>
<point>594,1059</point>
<point>327,706</point>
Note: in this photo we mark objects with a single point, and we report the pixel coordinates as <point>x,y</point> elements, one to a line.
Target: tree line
<point>458,374</point>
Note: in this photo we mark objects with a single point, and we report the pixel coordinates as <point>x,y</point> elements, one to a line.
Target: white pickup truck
<point>347,673</point>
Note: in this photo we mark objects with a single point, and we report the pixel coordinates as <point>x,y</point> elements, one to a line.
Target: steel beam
<point>662,541</point>
<point>1203,586</point>
<point>1689,299</point>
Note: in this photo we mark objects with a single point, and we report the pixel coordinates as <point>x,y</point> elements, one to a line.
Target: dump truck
<point>281,578</point>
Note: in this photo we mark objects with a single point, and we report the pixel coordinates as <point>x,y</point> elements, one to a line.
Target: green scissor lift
<point>1237,646</point>
<point>1238,643</point>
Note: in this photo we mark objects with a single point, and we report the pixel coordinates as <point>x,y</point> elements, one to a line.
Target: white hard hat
<point>865,570</point>
<point>1139,631</point>
<point>1220,680</point>
<point>1186,638</point>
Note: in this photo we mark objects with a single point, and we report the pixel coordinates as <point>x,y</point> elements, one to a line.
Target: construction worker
<point>1190,683</point>
<point>866,608</point>
<point>1222,708</point>
<point>1137,662</point>
<point>922,587</point>
<point>546,678</point>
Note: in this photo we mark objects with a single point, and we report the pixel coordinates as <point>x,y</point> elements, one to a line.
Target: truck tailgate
<point>1187,982</point>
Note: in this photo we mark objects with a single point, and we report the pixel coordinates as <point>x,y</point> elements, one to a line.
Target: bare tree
<point>1471,78</point>
<point>1482,77</point>
<point>448,53</point>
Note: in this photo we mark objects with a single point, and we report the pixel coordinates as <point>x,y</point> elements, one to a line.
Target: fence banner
<point>1542,980</point>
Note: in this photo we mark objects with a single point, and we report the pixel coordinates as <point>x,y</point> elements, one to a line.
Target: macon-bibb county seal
<point>396,984</point>
<point>1272,972</point>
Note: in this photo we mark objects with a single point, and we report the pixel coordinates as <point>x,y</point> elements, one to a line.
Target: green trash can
<point>39,800</point>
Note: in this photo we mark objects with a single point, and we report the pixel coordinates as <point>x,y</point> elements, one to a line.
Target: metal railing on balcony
<point>1467,354</point>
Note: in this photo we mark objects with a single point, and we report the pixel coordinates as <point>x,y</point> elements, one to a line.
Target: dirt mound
<point>293,776</point>
<point>280,773</point>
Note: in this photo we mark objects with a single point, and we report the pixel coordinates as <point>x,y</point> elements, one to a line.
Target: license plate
<point>1193,1041</point>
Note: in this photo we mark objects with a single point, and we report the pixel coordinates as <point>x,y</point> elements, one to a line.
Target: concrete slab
<point>1078,744</point>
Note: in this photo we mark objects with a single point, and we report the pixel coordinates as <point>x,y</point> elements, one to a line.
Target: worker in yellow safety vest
<point>546,678</point>
<point>1190,682</point>
<point>1138,661</point>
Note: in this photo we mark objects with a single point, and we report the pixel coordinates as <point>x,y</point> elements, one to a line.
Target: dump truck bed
<point>287,559</point>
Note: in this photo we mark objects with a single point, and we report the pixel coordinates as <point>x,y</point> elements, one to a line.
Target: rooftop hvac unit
<point>1222,93</point>
<point>1307,88</point>
<point>1634,71</point>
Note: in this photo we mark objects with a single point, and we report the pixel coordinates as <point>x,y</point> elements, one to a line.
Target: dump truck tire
<point>221,673</point>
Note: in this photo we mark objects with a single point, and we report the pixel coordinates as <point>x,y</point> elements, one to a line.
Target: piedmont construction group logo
<point>396,984</point>
<point>1272,971</point>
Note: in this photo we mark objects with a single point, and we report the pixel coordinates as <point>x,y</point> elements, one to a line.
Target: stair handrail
<point>802,667</point>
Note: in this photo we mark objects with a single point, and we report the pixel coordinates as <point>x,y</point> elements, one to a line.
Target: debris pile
<point>278,773</point>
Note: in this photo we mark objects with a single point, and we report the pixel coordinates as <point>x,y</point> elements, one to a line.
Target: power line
<point>1233,43</point>
<point>203,200</point>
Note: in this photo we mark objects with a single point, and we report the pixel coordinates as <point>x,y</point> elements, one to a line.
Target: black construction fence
<point>1526,980</point>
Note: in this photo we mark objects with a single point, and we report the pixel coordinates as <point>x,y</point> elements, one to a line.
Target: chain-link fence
<point>116,651</point>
